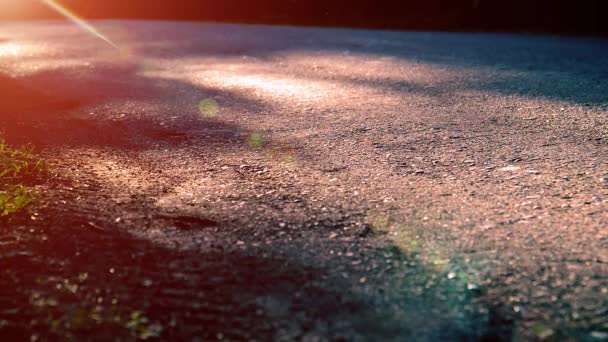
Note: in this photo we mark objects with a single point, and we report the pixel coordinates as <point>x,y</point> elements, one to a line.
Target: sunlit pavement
<point>250,182</point>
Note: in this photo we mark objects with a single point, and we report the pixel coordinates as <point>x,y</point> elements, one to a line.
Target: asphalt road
<point>280,183</point>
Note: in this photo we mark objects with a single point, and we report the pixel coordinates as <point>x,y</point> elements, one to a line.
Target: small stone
<point>509,168</point>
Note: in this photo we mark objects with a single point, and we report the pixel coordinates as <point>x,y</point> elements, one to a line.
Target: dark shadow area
<point>207,294</point>
<point>589,89</point>
<point>561,16</point>
<point>73,108</point>
<point>73,275</point>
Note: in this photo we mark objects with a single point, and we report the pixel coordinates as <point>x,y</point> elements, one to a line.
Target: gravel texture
<point>280,183</point>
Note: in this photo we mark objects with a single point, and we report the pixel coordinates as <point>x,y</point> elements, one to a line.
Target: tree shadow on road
<point>554,68</point>
<point>74,278</point>
<point>78,108</point>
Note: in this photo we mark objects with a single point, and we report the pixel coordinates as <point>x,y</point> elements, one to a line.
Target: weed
<point>14,199</point>
<point>18,168</point>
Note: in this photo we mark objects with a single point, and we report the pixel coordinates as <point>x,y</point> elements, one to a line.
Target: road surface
<point>247,182</point>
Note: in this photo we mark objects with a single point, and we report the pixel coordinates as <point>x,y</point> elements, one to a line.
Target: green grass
<point>19,169</point>
<point>14,199</point>
<point>19,165</point>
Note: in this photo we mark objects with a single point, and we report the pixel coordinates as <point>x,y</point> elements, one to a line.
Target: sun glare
<point>10,49</point>
<point>78,21</point>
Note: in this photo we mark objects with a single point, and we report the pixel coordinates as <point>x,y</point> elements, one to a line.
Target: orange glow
<point>78,21</point>
<point>13,8</point>
<point>12,4</point>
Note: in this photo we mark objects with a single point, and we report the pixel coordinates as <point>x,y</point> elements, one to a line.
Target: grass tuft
<point>14,199</point>
<point>19,168</point>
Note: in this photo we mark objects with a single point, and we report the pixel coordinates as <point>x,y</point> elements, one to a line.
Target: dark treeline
<point>572,17</point>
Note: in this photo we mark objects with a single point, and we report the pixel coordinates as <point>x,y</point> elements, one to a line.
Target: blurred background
<point>538,16</point>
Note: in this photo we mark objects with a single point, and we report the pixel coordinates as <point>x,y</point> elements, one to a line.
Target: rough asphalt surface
<point>277,183</point>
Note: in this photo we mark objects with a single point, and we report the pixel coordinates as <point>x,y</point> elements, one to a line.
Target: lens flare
<point>208,107</point>
<point>255,139</point>
<point>78,21</point>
